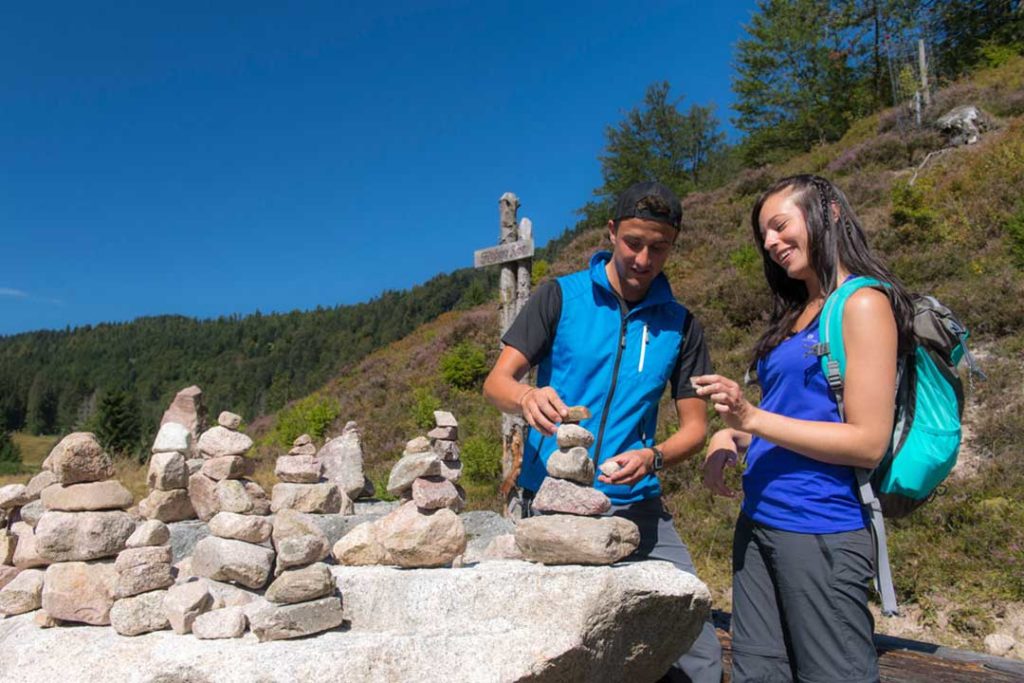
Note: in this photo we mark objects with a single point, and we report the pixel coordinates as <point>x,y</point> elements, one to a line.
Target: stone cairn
<point>221,484</point>
<point>303,487</point>
<point>21,573</point>
<point>302,596</point>
<point>168,500</point>
<point>571,530</point>
<point>425,531</point>
<point>83,520</point>
<point>144,574</point>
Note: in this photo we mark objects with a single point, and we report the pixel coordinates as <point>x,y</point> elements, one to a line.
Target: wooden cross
<point>515,254</point>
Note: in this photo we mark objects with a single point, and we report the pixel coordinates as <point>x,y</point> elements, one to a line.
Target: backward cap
<point>652,201</point>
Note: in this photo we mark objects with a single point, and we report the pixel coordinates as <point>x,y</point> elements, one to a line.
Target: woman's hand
<point>543,409</point>
<point>728,399</point>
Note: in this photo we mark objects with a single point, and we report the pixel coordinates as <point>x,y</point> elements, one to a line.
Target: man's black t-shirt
<point>533,332</point>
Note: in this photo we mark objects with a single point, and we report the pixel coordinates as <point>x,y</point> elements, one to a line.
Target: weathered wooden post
<point>515,254</point>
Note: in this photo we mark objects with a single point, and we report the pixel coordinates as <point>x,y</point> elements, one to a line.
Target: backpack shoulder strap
<point>830,348</point>
<point>831,351</point>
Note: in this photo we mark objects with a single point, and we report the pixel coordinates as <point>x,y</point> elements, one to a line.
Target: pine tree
<point>659,141</point>
<point>117,424</point>
<point>795,85</point>
<point>10,455</point>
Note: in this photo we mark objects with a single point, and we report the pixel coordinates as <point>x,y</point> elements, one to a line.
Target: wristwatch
<point>659,459</point>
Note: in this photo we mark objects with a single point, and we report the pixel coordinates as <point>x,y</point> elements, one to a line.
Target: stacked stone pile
<point>20,510</point>
<point>222,484</point>
<point>342,462</point>
<point>144,574</point>
<point>303,486</point>
<point>571,530</point>
<point>444,440</point>
<point>84,521</point>
<point>425,530</point>
<point>237,550</point>
<point>302,596</point>
<point>168,499</point>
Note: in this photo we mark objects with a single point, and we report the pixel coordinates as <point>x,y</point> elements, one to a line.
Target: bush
<point>481,459</point>
<point>10,455</point>
<point>424,405</point>
<point>1015,237</point>
<point>312,415</point>
<point>464,365</point>
<point>914,219</point>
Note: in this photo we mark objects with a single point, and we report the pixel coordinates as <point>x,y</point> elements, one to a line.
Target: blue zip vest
<point>614,361</point>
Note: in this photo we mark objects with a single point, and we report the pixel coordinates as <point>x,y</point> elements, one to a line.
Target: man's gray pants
<point>660,541</point>
<point>800,606</point>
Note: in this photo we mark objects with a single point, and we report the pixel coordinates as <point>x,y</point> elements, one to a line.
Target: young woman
<point>803,555</point>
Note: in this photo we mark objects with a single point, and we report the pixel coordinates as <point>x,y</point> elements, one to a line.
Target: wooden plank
<point>910,661</point>
<point>503,253</point>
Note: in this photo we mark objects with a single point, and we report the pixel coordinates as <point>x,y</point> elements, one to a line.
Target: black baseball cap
<point>652,201</point>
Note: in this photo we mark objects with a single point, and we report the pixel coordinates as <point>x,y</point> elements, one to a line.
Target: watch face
<point>659,459</point>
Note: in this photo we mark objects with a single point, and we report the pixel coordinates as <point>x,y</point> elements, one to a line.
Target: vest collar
<point>660,291</point>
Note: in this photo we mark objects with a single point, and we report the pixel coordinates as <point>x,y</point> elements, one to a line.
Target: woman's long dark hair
<point>834,235</point>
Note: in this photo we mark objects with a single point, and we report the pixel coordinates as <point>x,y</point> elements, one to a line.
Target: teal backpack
<point>929,405</point>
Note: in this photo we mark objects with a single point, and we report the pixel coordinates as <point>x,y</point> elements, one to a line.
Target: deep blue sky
<point>215,158</point>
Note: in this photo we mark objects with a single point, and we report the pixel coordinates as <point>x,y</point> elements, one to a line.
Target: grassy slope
<point>960,561</point>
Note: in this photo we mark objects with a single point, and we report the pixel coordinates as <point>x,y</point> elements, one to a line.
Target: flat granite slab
<point>495,621</point>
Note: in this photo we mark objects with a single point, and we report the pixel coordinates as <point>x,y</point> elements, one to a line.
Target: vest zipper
<point>615,378</point>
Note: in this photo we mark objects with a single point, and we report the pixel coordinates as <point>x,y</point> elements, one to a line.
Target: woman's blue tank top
<point>783,489</point>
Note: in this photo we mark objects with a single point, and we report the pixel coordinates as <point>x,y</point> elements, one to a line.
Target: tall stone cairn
<point>425,531</point>
<point>303,596</point>
<point>571,528</point>
<point>303,485</point>
<point>83,523</point>
<point>168,500</point>
<point>222,483</point>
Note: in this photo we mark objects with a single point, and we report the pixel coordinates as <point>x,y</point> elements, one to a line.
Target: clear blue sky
<point>207,158</point>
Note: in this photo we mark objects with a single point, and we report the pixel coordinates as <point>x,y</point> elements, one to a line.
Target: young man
<point>609,338</point>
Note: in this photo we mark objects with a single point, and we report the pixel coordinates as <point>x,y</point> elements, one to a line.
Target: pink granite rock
<point>298,469</point>
<point>203,493</point>
<point>229,420</point>
<point>361,547</point>
<point>434,493</point>
<point>167,471</point>
<point>323,498</point>
<point>74,536</point>
<point>13,496</point>
<point>219,441</point>
<point>149,533</point>
<point>248,528</point>
<point>562,495</point>
<point>145,613</point>
<point>97,495</point>
<point>78,458</point>
<point>23,594</point>
<point>298,540</point>
<point>228,467</point>
<point>80,591</point>
<point>167,506</point>
<point>414,539</point>
<point>184,602</point>
<point>187,409</point>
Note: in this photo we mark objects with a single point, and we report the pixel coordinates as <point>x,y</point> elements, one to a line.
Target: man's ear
<point>612,228</point>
